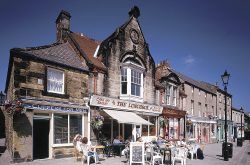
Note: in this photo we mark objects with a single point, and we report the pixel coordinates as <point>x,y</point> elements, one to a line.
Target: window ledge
<point>63,145</point>
<point>45,93</point>
<point>131,98</point>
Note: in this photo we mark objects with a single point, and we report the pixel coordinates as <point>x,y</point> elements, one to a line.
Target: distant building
<point>200,105</point>
<point>236,118</point>
<point>221,115</point>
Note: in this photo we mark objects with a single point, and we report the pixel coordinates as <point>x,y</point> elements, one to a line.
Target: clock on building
<point>134,35</point>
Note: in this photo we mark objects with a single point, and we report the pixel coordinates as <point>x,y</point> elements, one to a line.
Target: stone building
<point>200,105</point>
<point>125,94</point>
<point>221,115</point>
<point>47,96</point>
<point>236,118</point>
<point>173,121</point>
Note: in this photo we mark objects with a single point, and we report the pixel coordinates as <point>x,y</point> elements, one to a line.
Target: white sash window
<point>55,81</point>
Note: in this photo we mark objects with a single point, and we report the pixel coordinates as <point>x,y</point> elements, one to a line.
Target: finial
<point>135,12</point>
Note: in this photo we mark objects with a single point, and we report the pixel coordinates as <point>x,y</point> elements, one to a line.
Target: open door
<point>40,138</point>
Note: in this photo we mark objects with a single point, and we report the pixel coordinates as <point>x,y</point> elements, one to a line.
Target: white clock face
<point>134,36</point>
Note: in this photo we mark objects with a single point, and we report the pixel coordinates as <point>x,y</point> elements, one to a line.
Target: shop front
<point>201,129</point>
<point>172,124</point>
<point>126,119</point>
<point>53,125</point>
<point>221,130</point>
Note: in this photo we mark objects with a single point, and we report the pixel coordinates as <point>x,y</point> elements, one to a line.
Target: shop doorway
<point>40,138</point>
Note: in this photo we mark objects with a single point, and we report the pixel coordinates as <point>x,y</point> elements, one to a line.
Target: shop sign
<point>54,108</point>
<point>136,153</point>
<point>107,102</point>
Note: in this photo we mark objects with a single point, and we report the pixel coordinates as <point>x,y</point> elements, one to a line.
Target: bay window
<point>55,81</point>
<point>131,83</point>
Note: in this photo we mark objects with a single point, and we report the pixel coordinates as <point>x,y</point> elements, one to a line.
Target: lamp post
<point>225,78</point>
<point>241,110</point>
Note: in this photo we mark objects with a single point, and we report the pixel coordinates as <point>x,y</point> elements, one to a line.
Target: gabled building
<point>172,98</point>
<point>47,91</point>
<point>125,92</point>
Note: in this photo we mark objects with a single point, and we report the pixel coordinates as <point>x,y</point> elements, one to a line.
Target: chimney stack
<point>62,26</point>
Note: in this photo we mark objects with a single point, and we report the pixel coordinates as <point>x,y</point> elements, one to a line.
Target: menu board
<point>137,153</point>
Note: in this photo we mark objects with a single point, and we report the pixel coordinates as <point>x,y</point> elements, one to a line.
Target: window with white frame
<point>171,94</point>
<point>55,81</point>
<point>192,107</point>
<point>132,80</point>
<point>124,81</point>
<point>206,111</point>
<point>135,83</point>
<point>66,126</point>
<point>174,96</point>
<point>168,91</point>
<point>200,111</point>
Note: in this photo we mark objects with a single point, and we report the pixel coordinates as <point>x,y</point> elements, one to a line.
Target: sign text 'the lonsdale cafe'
<point>112,103</point>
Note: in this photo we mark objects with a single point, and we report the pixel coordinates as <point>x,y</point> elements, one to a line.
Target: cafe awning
<point>126,117</point>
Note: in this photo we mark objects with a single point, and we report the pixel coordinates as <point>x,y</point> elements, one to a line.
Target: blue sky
<point>200,38</point>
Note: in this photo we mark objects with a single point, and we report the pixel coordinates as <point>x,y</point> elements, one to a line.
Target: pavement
<point>212,156</point>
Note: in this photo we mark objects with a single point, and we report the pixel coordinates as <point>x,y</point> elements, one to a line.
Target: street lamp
<point>225,78</point>
<point>241,110</point>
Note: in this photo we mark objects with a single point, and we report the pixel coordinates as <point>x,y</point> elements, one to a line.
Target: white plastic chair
<point>193,151</point>
<point>88,159</point>
<point>180,155</point>
<point>155,156</point>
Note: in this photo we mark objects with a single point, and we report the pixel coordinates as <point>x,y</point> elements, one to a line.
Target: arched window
<point>132,80</point>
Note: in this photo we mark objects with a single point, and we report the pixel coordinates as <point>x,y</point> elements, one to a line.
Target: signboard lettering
<point>137,153</point>
<point>107,102</point>
<point>54,108</point>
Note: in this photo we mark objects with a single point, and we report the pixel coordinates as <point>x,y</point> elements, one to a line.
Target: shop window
<point>60,129</point>
<point>66,127</point>
<point>173,128</point>
<point>149,130</point>
<point>152,131</point>
<point>75,126</point>
<point>55,81</point>
<point>144,130</point>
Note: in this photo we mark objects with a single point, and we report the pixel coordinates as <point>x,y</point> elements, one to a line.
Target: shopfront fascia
<point>173,127</point>
<point>127,118</point>
<point>57,121</point>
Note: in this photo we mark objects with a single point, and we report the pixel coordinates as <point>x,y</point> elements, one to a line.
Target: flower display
<point>97,122</point>
<point>14,107</point>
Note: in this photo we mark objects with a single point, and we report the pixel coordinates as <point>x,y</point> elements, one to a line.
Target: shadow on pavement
<point>2,150</point>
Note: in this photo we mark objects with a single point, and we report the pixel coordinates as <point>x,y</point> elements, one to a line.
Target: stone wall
<point>121,46</point>
<point>28,78</point>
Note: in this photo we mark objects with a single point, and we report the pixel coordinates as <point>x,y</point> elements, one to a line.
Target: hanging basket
<point>97,122</point>
<point>189,122</point>
<point>14,107</point>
